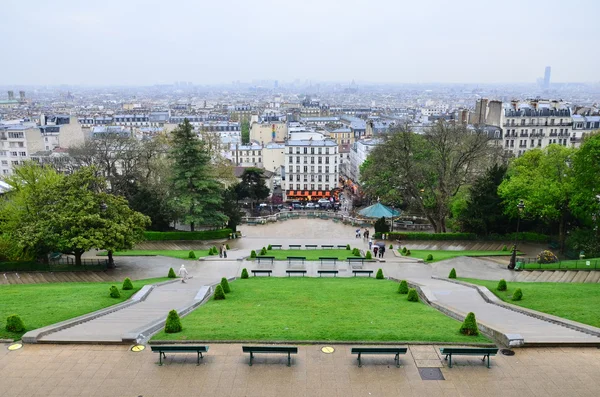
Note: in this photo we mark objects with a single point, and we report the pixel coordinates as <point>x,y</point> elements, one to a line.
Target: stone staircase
<point>53,277</point>
<point>559,276</point>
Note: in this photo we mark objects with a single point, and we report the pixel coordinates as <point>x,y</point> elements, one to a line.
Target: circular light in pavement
<point>327,349</point>
<point>137,348</point>
<point>15,346</point>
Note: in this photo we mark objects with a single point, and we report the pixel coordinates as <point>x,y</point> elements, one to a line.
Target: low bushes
<point>505,248</point>
<point>404,251</point>
<point>429,258</point>
<point>172,273</point>
<point>252,254</point>
<point>452,273</point>
<point>244,273</point>
<point>356,252</point>
<point>269,248</point>
<point>368,255</point>
<point>501,285</point>
<point>517,295</point>
<point>469,326</point>
<point>127,284</point>
<point>179,235</point>
<point>379,275</point>
<point>391,247</point>
<point>191,255</point>
<point>14,324</point>
<point>413,296</point>
<point>263,251</point>
<point>225,285</point>
<point>219,293</point>
<point>173,323</point>
<point>114,292</point>
<point>347,247</point>
<point>403,287</point>
<point>547,256</point>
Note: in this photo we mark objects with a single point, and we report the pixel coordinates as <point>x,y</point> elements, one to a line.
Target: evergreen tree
<point>253,186</point>
<point>197,194</point>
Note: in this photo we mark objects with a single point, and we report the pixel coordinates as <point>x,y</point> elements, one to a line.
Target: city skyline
<point>145,43</point>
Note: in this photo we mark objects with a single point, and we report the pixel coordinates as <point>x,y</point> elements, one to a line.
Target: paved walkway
<point>108,371</point>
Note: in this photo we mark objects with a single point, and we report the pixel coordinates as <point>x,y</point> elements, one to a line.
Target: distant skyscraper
<point>547,77</point>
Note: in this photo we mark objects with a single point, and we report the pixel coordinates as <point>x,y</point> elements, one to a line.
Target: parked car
<point>311,206</point>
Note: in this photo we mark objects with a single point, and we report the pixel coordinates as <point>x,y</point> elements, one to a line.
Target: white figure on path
<point>183,273</point>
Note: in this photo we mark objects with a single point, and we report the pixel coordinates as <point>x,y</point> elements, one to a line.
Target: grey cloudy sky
<point>147,42</point>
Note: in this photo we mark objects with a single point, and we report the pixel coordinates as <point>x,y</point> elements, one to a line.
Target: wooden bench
<point>254,272</point>
<point>468,351</point>
<point>311,246</point>
<point>369,272</point>
<point>356,259</point>
<point>327,246</point>
<point>265,258</point>
<point>270,349</point>
<point>329,259</point>
<point>334,272</point>
<point>295,246</point>
<point>290,272</point>
<point>341,247</point>
<point>179,349</point>
<point>296,258</point>
<point>380,350</point>
<point>275,246</point>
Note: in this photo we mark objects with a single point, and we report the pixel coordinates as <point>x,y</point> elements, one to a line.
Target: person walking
<point>381,251</point>
<point>224,251</point>
<point>220,252</point>
<point>357,233</point>
<point>183,273</point>
<point>370,243</point>
<point>375,251</point>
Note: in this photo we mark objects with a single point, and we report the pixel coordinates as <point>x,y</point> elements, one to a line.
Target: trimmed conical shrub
<point>191,255</point>
<point>368,255</point>
<point>225,285</point>
<point>173,323</point>
<point>412,295</point>
<point>469,326</point>
<point>263,251</point>
<point>172,273</point>
<point>14,324</point>
<point>127,284</point>
<point>501,285</point>
<point>244,273</point>
<point>252,254</point>
<point>391,247</point>
<point>347,247</point>
<point>505,248</point>
<point>429,258</point>
<point>219,294</point>
<point>452,273</point>
<point>227,246</point>
<point>379,275</point>
<point>114,292</point>
<point>517,295</point>
<point>403,288</point>
<point>269,248</point>
<point>404,251</point>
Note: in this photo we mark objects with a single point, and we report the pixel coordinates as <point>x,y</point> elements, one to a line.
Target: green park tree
<point>586,180</point>
<point>253,186</point>
<point>245,126</point>
<point>231,208</point>
<point>197,194</point>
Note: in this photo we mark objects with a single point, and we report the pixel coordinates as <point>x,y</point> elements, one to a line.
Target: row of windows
<point>312,160</point>
<point>13,154</point>
<point>15,135</point>
<point>535,121</point>
<point>247,160</point>
<point>312,186</point>
<point>525,132</point>
<point>589,125</point>
<point>305,150</point>
<point>254,152</point>
<point>319,178</point>
<point>312,169</point>
<point>14,162</point>
<point>532,143</point>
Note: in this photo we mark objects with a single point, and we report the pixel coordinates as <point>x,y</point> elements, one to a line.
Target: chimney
<point>11,95</point>
<point>514,104</point>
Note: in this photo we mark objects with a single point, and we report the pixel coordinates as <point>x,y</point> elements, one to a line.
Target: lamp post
<point>513,257</point>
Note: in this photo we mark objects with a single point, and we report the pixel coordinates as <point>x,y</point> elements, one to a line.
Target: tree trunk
<point>561,233</point>
<point>191,226</point>
<point>111,261</point>
<point>78,258</point>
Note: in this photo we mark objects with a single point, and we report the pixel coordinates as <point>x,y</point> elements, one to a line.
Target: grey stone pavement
<point>302,231</point>
<point>110,371</point>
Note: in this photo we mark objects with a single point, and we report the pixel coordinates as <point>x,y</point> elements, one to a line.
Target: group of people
<point>365,234</point>
<point>378,251</point>
<point>183,273</point>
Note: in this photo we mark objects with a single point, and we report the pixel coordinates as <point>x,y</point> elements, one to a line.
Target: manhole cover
<point>431,374</point>
<point>15,346</point>
<point>507,352</point>
<point>137,348</point>
<point>327,349</point>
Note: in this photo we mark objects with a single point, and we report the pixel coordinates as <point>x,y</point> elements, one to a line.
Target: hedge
<point>523,236</point>
<point>201,235</point>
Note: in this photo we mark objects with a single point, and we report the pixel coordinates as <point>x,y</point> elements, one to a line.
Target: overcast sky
<point>135,42</point>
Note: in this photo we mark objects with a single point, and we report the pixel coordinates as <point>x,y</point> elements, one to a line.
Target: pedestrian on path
<point>220,252</point>
<point>224,250</point>
<point>183,273</point>
<point>381,251</point>
<point>370,243</point>
<point>375,250</point>
<point>357,233</point>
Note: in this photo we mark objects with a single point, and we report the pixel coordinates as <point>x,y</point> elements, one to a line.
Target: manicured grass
<point>326,309</point>
<point>42,267</point>
<point>573,301</point>
<point>311,255</point>
<point>570,264</point>
<point>180,254</point>
<point>40,305</point>
<point>440,255</point>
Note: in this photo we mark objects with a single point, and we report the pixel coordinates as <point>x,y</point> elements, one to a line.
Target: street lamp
<point>513,257</point>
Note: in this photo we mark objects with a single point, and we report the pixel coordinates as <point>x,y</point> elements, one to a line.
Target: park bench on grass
<point>380,350</point>
<point>468,351</point>
<point>334,272</point>
<point>260,271</point>
<point>265,258</point>
<point>369,272</point>
<point>295,246</point>
<point>270,349</point>
<point>311,246</point>
<point>327,246</point>
<point>296,259</point>
<point>275,246</point>
<point>341,247</point>
<point>357,260</point>
<point>329,259</point>
<point>290,272</point>
<point>179,349</point>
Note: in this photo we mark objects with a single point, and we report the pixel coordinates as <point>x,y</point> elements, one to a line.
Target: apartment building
<point>311,169</point>
<point>358,154</point>
<point>265,132</point>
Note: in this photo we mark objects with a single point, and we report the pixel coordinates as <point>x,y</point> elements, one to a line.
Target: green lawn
<point>42,267</point>
<point>311,255</point>
<point>573,301</point>
<point>440,255</point>
<point>180,254</point>
<point>40,305</point>
<point>594,263</point>
<point>326,309</point>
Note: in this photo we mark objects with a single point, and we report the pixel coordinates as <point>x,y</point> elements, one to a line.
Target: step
<point>556,276</point>
<point>14,278</point>
<point>581,276</point>
<point>535,275</point>
<point>566,275</point>
<point>571,276</point>
<point>593,277</point>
